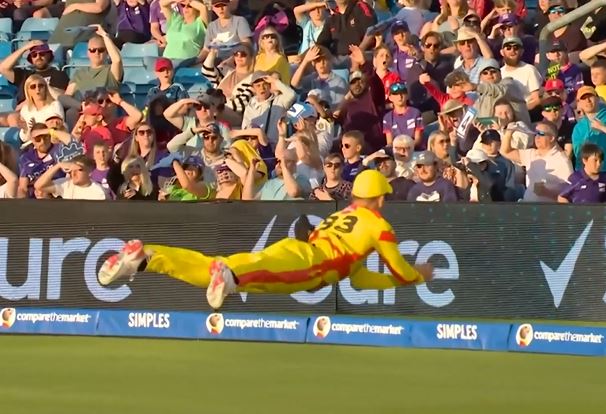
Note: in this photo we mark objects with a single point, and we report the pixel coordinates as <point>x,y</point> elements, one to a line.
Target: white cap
<point>477,156</point>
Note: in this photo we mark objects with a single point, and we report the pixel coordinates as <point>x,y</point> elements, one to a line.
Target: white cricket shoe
<point>221,284</point>
<point>125,263</point>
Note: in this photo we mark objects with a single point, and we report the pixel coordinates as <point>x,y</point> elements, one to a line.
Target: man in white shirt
<point>547,166</point>
<point>526,76</point>
<point>76,186</point>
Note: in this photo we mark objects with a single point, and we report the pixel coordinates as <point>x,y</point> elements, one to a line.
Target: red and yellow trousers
<point>287,266</point>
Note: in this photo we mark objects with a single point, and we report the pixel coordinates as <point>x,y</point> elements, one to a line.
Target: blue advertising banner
<point>150,324</point>
<point>48,321</point>
<point>557,339</point>
<point>253,327</point>
<point>460,335</point>
<point>348,330</point>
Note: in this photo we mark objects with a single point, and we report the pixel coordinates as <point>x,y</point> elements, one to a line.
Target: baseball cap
<point>215,2</point>
<point>258,76</point>
<point>301,111</point>
<point>214,128</point>
<point>509,19</point>
<point>488,63</point>
<point>551,101</point>
<point>554,85</point>
<point>242,47</point>
<point>450,106</point>
<point>53,115</point>
<point>43,48</point>
<point>193,160</point>
<point>93,109</point>
<point>399,26</point>
<point>425,158</point>
<point>489,136</point>
<point>356,74</point>
<point>557,46</point>
<point>163,63</point>
<point>586,90</point>
<point>464,34</point>
<point>514,40</point>
<point>476,156</point>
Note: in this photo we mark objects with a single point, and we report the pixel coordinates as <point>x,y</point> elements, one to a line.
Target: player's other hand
<point>426,269</point>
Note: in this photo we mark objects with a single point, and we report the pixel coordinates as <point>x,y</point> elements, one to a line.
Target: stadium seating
<point>139,54</point>
<point>34,28</point>
<point>6,29</point>
<point>7,90</point>
<point>344,73</point>
<point>7,105</point>
<point>5,49</point>
<point>11,137</point>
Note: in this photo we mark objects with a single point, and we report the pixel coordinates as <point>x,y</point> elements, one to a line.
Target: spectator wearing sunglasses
<point>508,26</point>
<point>587,185</point>
<point>333,186</point>
<point>555,87</point>
<point>39,104</point>
<point>436,65</point>
<point>190,184</point>
<point>570,35</point>
<point>547,166</point>
<point>135,183</point>
<point>77,185</point>
<point>227,30</point>
<point>258,141</point>
<point>352,144</point>
<point>322,78</point>
<point>40,57</point>
<point>185,29</point>
<point>402,119</point>
<point>591,127</point>
<point>99,74</point>
<point>35,161</point>
<point>235,83</point>
<point>143,144</point>
<point>526,76</point>
<point>552,110</point>
<point>270,55</point>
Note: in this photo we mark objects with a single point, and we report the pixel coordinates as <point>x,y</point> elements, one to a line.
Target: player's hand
<point>426,270</point>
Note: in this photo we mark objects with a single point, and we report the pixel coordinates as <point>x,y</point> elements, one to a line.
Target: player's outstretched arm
<point>400,269</point>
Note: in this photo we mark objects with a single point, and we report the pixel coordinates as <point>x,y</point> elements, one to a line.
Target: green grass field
<point>113,375</point>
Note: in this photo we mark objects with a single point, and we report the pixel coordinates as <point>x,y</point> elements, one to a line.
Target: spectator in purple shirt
<point>133,22</point>
<point>587,185</point>
<point>569,73</point>
<point>430,187</point>
<point>34,162</point>
<point>102,158</point>
<point>402,60</point>
<point>402,119</point>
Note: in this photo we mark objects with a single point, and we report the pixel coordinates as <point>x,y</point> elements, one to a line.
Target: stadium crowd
<point>290,100</point>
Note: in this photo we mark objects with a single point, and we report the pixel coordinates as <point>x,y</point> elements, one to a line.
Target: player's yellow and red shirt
<point>350,235</point>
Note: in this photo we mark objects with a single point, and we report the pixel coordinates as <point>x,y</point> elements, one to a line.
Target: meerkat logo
<point>214,323</point>
<point>524,335</point>
<point>322,327</point>
<point>7,317</point>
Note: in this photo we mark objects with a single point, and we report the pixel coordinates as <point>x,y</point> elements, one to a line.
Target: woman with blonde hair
<point>137,183</point>
<point>143,144</point>
<point>440,144</point>
<point>270,55</point>
<point>39,104</point>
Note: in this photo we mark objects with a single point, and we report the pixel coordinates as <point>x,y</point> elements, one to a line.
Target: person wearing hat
<point>502,170</point>
<point>165,72</point>
<point>547,166</point>
<point>526,76</point>
<point>338,247</point>
<point>190,185</point>
<point>470,44</point>
<point>561,67</point>
<point>555,87</point>
<point>570,35</point>
<point>404,50</point>
<point>457,84</point>
<point>266,108</point>
<point>431,186</point>
<point>402,119</point>
<point>225,31</point>
<point>509,25</point>
<point>40,57</point>
<point>386,165</point>
<point>591,127</point>
<point>553,111</point>
<point>322,78</point>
